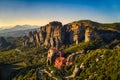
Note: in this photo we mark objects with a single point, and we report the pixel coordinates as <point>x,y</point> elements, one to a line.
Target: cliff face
<point>91,34</point>
<point>74,33</point>
<point>55,34</point>
<point>108,35</point>
<point>50,35</point>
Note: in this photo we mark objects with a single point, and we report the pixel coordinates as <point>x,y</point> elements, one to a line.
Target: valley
<point>79,50</point>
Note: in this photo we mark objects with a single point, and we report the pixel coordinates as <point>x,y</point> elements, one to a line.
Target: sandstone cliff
<point>55,34</point>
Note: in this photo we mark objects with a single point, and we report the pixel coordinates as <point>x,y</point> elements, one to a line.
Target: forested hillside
<point>94,62</point>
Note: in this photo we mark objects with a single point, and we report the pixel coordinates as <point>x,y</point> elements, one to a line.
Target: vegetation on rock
<point>96,59</point>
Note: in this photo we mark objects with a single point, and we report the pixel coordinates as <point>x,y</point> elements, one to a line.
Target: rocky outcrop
<point>42,70</point>
<point>90,34</point>
<point>108,35</point>
<point>55,34</point>
<point>42,34</point>
<point>56,57</point>
<point>74,33</point>
<point>50,35</point>
<point>72,56</point>
<point>53,53</point>
<point>75,73</point>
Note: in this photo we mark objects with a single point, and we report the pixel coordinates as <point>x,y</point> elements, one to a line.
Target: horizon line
<point>110,22</point>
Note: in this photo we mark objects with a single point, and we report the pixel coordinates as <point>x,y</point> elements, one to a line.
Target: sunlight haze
<point>41,12</point>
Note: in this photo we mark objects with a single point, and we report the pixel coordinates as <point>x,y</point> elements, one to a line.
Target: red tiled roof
<point>60,62</point>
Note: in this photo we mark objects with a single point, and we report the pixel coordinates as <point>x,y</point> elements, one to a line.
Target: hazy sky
<point>40,12</point>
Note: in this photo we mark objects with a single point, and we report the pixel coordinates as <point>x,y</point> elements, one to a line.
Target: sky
<point>41,12</point>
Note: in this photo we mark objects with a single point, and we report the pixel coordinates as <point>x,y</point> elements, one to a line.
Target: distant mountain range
<point>18,30</point>
<point>21,30</point>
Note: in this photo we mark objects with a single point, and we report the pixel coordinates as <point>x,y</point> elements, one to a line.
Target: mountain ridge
<point>18,30</point>
<point>108,26</point>
<point>54,34</point>
<point>18,27</point>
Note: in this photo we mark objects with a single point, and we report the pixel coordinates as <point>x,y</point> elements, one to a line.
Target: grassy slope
<point>105,68</point>
<point>19,65</point>
<point>96,67</point>
<point>32,59</point>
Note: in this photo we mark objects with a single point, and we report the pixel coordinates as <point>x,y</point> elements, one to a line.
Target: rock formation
<point>90,33</point>
<point>74,33</point>
<point>52,55</point>
<point>55,57</point>
<point>72,56</point>
<point>108,35</point>
<point>50,35</point>
<point>75,73</point>
<point>55,34</point>
<point>42,34</point>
